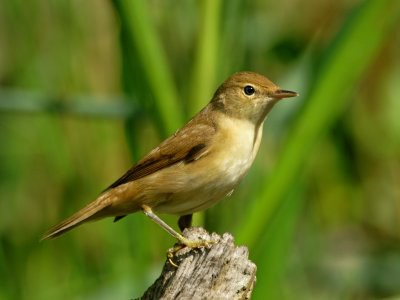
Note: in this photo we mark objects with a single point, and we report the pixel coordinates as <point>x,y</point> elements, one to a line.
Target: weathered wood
<point>221,271</point>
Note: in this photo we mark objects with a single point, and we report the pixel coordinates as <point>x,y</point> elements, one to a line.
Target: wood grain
<point>222,271</point>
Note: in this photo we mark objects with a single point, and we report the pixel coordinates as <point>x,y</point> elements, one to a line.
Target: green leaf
<point>206,64</point>
<point>137,22</point>
<point>350,55</point>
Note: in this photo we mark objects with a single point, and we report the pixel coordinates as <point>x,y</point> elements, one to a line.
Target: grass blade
<point>135,17</point>
<point>350,55</point>
<point>205,66</point>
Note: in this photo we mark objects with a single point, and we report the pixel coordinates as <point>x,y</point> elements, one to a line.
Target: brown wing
<point>187,145</point>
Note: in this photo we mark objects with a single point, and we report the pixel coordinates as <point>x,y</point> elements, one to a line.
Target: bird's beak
<point>283,94</point>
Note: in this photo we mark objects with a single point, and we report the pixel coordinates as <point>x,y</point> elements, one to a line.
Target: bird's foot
<point>186,243</point>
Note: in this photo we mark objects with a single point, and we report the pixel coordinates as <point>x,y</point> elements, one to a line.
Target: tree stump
<point>221,271</point>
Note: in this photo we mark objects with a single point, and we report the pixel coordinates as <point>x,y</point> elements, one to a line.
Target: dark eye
<point>248,90</point>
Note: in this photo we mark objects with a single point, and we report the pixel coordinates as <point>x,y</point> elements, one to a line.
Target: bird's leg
<point>185,222</point>
<point>188,243</point>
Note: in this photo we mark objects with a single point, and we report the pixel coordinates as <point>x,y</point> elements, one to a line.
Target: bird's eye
<point>249,90</point>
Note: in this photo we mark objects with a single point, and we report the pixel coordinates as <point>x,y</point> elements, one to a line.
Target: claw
<point>189,244</point>
<point>172,262</point>
<point>171,253</point>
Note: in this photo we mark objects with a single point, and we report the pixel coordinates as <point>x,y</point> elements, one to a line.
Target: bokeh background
<point>88,87</point>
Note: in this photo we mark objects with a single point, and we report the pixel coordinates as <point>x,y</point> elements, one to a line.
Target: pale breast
<point>212,177</point>
<point>240,143</point>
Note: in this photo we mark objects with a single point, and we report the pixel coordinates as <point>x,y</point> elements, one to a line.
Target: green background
<point>88,87</point>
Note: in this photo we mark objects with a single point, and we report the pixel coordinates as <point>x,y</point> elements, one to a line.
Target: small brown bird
<point>197,166</point>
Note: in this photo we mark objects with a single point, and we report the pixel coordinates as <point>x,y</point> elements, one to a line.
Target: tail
<point>92,211</point>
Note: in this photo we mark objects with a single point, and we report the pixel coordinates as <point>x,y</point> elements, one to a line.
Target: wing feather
<point>187,145</point>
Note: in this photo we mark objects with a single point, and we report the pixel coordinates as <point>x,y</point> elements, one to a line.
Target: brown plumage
<point>198,165</point>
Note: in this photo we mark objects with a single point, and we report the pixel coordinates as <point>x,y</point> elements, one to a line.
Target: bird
<point>197,166</point>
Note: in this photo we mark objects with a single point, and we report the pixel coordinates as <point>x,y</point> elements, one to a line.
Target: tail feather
<point>92,211</point>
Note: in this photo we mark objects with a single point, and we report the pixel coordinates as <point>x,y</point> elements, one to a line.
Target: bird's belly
<point>193,200</point>
<point>210,179</point>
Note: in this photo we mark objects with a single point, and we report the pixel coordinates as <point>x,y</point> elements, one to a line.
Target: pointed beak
<point>283,94</point>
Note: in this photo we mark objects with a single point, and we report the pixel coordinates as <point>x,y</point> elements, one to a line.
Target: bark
<point>220,271</point>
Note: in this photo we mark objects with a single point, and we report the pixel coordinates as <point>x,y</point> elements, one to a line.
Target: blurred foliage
<point>88,87</point>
